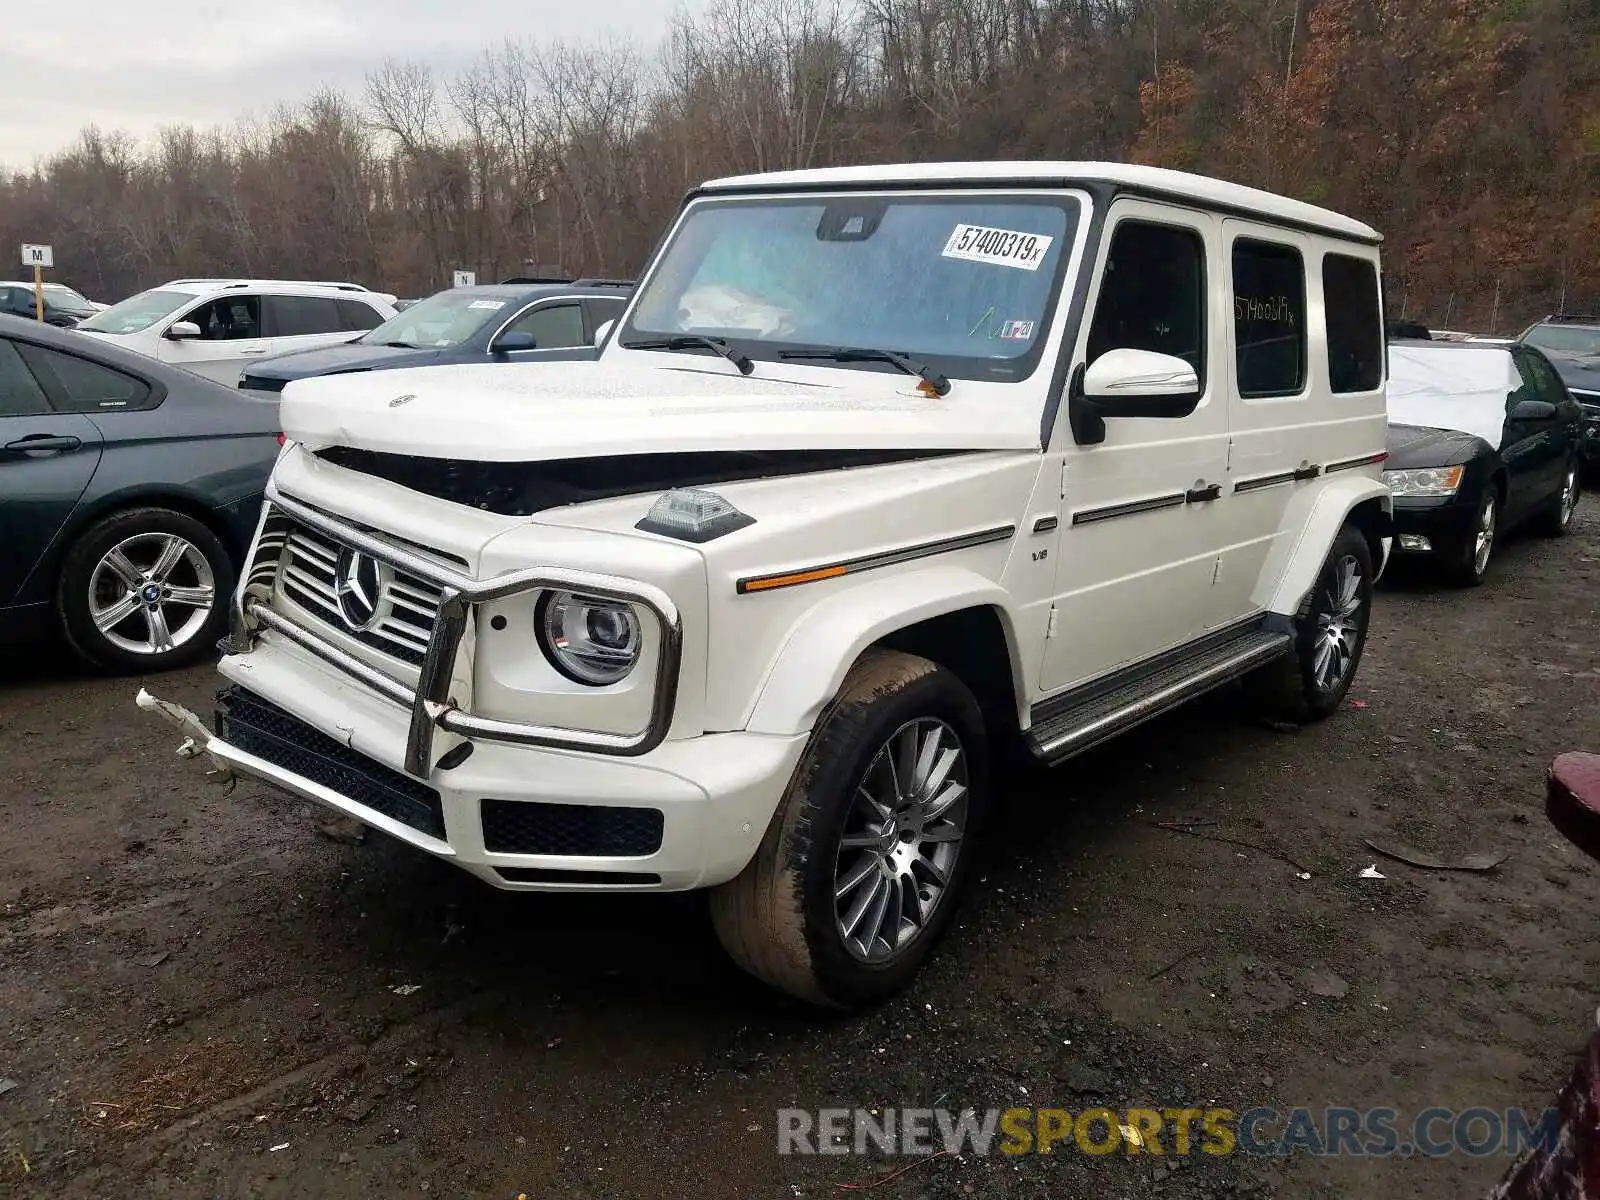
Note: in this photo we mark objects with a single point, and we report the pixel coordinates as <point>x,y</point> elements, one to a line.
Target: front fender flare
<point>1310,523</point>
<point>825,642</point>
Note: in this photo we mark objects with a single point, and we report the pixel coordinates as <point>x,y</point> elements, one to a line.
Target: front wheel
<point>1330,633</point>
<point>1469,562</point>
<point>858,874</point>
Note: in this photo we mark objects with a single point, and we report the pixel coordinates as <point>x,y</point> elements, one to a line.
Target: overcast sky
<point>141,65</point>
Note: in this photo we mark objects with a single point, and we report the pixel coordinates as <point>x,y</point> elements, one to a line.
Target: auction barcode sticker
<point>1002,247</point>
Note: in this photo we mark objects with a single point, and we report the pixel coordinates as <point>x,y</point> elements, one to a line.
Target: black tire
<point>1292,687</point>
<point>1461,565</point>
<point>778,918</point>
<point>1555,518</point>
<point>140,529</point>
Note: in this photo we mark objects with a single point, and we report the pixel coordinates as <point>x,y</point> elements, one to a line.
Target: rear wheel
<point>144,590</point>
<point>859,872</point>
<point>1556,518</point>
<point>1330,633</point>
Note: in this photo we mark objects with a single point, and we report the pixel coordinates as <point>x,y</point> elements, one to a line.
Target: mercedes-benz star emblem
<point>358,587</point>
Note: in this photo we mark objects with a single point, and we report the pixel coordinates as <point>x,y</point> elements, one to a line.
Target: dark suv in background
<point>521,320</point>
<point>1572,344</point>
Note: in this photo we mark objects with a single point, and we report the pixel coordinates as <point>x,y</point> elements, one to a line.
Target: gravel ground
<point>201,995</point>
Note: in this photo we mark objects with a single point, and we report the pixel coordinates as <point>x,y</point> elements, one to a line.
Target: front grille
<point>407,606</point>
<point>259,727</point>
<point>530,827</point>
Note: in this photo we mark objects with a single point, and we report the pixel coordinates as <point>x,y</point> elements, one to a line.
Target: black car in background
<point>129,492</point>
<point>63,307</point>
<point>519,321</point>
<point>1572,344</point>
<point>1483,438</point>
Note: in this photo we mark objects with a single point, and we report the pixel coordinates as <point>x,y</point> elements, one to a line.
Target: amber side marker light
<point>769,582</point>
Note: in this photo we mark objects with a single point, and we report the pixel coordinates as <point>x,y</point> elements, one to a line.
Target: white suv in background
<point>213,327</point>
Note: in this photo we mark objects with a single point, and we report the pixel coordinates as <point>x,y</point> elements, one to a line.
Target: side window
<point>606,309</point>
<point>1269,318</point>
<point>356,317</point>
<point>553,326</point>
<point>20,393</point>
<point>228,319</point>
<point>1546,380</point>
<point>298,316</point>
<point>1153,294</point>
<point>1355,324</point>
<point>78,385</point>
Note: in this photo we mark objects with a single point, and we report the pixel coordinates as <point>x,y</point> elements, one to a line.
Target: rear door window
<point>301,316</point>
<point>1269,319</point>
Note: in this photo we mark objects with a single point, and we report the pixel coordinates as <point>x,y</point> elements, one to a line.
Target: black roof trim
<point>1099,187</point>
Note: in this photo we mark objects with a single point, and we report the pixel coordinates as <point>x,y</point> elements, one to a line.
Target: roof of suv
<point>298,287</point>
<point>1157,181</point>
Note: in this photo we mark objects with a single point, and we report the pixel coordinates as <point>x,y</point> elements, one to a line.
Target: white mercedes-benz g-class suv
<point>881,470</point>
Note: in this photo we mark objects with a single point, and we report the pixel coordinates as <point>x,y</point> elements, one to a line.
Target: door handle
<point>52,443</point>
<point>1308,471</point>
<point>1204,493</point>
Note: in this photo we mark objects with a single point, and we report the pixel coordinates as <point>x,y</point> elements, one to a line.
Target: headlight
<point>587,639</point>
<point>1429,481</point>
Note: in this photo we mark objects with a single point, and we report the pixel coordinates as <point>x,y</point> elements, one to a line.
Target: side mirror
<point>1120,380</point>
<point>508,342</point>
<point>183,331</point>
<point>1534,410</point>
<point>602,333</point>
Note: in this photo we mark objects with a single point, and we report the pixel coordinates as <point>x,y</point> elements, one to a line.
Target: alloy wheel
<point>1483,539</point>
<point>1569,496</point>
<point>151,593</point>
<point>901,839</point>
<point>1339,625</point>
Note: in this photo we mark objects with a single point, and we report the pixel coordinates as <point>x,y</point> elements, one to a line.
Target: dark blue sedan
<point>508,322</point>
<point>129,491</point>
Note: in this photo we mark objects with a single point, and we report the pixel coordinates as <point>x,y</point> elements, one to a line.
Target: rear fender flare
<point>1310,524</point>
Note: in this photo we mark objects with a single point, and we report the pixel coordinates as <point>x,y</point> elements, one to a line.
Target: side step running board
<point>1070,726</point>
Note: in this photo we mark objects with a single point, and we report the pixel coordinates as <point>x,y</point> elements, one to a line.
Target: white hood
<point>524,413</point>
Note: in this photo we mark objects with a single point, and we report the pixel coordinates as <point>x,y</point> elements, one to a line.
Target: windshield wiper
<point>686,341</point>
<point>397,345</point>
<point>845,354</point>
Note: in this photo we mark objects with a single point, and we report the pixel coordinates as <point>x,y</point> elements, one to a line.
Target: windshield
<point>67,300</point>
<point>439,322</point>
<point>136,313</point>
<point>1565,339</point>
<point>965,283</point>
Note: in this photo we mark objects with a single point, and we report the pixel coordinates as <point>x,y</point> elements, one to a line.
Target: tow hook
<point>197,739</point>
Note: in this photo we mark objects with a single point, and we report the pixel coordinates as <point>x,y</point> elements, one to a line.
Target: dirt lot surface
<point>203,996</point>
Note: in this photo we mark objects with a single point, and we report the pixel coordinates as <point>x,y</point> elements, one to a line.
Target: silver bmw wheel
<point>1483,538</point>
<point>1339,625</point>
<point>151,593</point>
<point>901,839</point>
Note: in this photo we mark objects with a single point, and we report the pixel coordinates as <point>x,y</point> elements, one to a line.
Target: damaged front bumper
<point>688,814</point>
